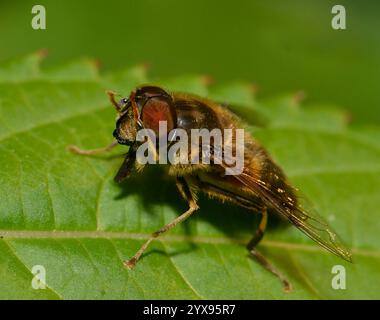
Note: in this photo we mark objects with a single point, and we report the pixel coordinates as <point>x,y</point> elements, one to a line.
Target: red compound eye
<point>158,109</point>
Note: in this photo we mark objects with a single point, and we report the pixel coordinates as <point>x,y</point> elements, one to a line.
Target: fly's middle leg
<point>190,198</point>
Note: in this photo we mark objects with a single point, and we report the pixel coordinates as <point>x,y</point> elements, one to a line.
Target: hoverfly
<point>261,185</point>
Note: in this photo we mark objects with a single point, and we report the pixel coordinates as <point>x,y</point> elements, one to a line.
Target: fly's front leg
<point>108,148</point>
<point>77,150</point>
<point>186,192</point>
<point>251,246</point>
<point>127,166</point>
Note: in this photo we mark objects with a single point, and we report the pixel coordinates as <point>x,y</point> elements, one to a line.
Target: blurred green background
<point>281,45</point>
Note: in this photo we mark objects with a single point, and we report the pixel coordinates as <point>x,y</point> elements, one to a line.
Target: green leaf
<point>64,212</point>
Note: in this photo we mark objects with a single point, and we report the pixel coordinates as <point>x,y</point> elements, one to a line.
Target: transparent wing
<point>308,221</point>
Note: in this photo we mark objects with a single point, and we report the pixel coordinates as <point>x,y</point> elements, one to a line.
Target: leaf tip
<point>299,97</point>
<point>207,80</point>
<point>42,53</point>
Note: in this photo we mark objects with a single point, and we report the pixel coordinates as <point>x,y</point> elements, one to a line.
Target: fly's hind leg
<point>77,150</point>
<point>251,246</point>
<point>186,192</point>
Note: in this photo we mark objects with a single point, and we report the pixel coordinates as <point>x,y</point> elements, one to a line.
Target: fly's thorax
<point>195,114</point>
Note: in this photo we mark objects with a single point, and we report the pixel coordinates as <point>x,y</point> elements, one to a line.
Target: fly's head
<point>144,109</point>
